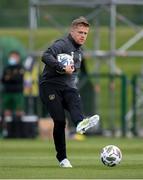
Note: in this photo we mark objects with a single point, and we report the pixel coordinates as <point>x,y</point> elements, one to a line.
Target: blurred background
<point>110,80</point>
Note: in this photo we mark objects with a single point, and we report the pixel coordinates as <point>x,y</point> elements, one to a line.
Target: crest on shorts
<point>52,97</point>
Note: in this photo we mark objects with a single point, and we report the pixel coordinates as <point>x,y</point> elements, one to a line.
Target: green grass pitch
<point>35,159</point>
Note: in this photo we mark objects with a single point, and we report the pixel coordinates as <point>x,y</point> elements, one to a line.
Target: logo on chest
<point>80,57</point>
<point>76,56</point>
<point>51,97</point>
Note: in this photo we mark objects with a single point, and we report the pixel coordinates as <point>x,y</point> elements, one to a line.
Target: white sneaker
<point>65,163</point>
<point>87,123</point>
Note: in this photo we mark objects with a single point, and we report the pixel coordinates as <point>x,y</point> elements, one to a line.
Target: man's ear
<point>71,30</point>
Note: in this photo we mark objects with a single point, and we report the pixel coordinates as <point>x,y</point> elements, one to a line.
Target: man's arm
<point>50,56</point>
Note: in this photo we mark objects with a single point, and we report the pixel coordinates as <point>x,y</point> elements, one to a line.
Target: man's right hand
<point>69,69</point>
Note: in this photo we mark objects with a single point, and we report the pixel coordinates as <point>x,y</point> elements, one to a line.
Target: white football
<point>65,59</point>
<point>111,155</point>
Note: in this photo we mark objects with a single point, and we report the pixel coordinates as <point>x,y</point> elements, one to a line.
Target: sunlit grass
<point>27,159</point>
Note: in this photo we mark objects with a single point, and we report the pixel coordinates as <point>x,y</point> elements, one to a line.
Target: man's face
<point>15,56</point>
<point>79,34</point>
<point>14,59</point>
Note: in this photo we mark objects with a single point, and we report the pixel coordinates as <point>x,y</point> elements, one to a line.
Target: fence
<point>106,95</point>
<point>118,101</point>
<point>137,105</point>
<point>115,98</point>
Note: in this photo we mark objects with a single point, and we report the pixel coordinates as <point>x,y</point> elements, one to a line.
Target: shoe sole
<point>93,121</point>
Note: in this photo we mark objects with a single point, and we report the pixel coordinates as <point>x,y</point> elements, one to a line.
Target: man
<point>12,81</point>
<point>58,89</point>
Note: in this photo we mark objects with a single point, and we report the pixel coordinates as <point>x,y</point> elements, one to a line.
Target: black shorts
<point>58,99</point>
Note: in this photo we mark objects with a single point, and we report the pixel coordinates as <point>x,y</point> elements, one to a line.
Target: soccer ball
<point>111,155</point>
<point>65,59</point>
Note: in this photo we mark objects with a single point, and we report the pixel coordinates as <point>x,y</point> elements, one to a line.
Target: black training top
<point>12,78</point>
<point>50,75</point>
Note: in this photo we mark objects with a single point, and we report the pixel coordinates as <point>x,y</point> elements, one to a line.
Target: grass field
<point>35,159</point>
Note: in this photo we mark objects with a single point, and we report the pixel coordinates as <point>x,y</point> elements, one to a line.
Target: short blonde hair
<point>80,21</point>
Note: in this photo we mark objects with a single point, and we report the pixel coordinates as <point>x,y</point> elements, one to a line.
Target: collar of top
<point>73,41</point>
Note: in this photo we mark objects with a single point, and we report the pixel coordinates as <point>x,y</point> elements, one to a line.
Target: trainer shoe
<point>87,123</point>
<point>65,163</point>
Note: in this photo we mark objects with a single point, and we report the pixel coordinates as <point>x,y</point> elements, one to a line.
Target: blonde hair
<point>80,21</point>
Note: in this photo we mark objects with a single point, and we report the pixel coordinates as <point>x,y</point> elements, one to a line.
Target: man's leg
<point>18,112</point>
<point>59,140</point>
<point>53,101</point>
<point>73,102</point>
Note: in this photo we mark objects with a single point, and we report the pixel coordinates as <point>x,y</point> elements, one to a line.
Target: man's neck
<point>73,41</point>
